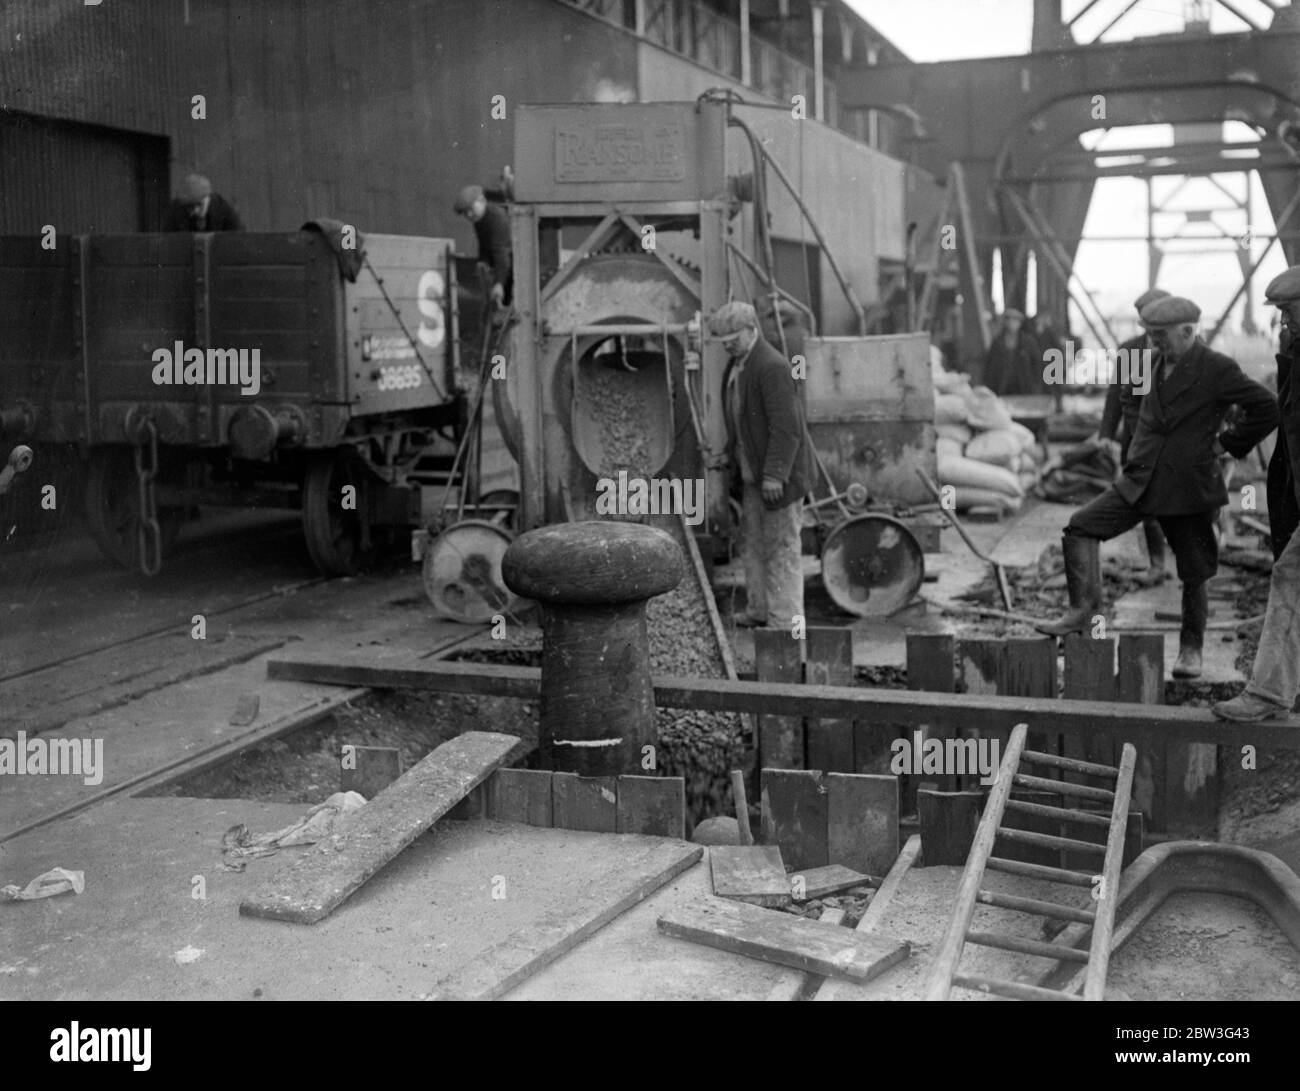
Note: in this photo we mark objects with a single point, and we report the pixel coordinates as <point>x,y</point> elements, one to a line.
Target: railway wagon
<point>316,369</point>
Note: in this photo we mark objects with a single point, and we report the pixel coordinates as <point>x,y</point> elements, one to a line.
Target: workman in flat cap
<point>1275,677</point>
<point>1119,421</point>
<point>495,247</point>
<point>1014,361</point>
<point>1172,473</point>
<point>196,208</point>
<point>767,441</point>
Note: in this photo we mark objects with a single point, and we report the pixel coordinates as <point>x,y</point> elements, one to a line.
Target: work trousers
<point>1191,537</point>
<point>771,557</point>
<point>1276,674</point>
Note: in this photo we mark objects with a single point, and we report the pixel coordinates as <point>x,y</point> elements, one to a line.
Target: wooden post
<point>778,658</point>
<point>1142,680</point>
<point>930,667</point>
<point>1090,676</point>
<point>1028,669</point>
<point>593,579</point>
<point>982,670</point>
<point>862,822</point>
<point>830,663</point>
<point>794,806</point>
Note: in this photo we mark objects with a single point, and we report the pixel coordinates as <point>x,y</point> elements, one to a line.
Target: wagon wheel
<point>113,507</point>
<point>337,530</point>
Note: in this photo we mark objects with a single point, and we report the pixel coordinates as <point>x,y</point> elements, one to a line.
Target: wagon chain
<point>415,347</point>
<point>148,532</point>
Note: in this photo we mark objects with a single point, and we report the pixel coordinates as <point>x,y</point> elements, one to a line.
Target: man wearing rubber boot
<point>1275,677</point>
<point>1172,473</point>
<point>1123,401</point>
<point>768,439</point>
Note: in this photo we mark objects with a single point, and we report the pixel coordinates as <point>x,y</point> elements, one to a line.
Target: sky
<point>1116,272</point>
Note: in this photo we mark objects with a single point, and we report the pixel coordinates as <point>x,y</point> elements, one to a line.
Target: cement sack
<point>950,409</point>
<point>966,473</point>
<point>985,411</point>
<point>959,433</point>
<point>1026,436</point>
<point>986,498</point>
<point>945,448</point>
<point>1001,447</point>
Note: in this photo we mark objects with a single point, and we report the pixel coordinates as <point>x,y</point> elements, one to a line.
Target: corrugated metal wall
<point>375,112</point>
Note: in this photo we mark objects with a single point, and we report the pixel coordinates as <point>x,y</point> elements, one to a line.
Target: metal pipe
<point>746,62</point>
<point>819,69</point>
<point>812,223</point>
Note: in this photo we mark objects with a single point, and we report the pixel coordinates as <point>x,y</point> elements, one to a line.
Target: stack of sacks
<point>990,459</point>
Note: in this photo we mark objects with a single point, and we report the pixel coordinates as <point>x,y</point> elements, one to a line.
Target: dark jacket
<point>1123,400</point>
<point>1172,468</point>
<point>1284,466</point>
<point>495,249</point>
<point>772,429</point>
<point>1017,369</point>
<point>221,216</point>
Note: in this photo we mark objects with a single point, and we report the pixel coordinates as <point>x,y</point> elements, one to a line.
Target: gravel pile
<point>623,425</point>
<point>701,747</point>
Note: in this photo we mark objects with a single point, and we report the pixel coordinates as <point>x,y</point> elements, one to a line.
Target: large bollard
<point>592,580</point>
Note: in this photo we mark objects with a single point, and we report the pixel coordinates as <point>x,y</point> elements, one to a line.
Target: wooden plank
<point>981,665</point>
<point>909,709</point>
<point>930,668</point>
<point>822,882</point>
<point>794,815</point>
<point>876,912</point>
<point>521,795</point>
<point>655,806</point>
<point>645,865</point>
<point>830,663</point>
<point>1028,669</point>
<point>754,874</point>
<point>948,824</point>
<point>1142,680</point>
<point>1090,676</point>
<point>584,803</point>
<point>784,939</point>
<point>369,769</point>
<point>862,821</point>
<point>778,658</point>
<point>312,886</point>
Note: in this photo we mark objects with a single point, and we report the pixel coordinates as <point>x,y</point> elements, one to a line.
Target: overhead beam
<point>1195,167</point>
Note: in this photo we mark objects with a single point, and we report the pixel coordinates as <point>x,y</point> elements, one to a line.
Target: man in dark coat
<point>495,246</point>
<point>197,208</point>
<point>1119,419</point>
<point>1172,473</point>
<point>1275,677</point>
<point>1014,362</point>
<point>768,441</point>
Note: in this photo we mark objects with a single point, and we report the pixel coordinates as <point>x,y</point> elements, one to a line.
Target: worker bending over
<point>1172,473</point>
<point>495,248</point>
<point>767,440</point>
<point>197,208</point>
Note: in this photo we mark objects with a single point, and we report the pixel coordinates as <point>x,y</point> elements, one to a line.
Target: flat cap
<point>1283,288</point>
<point>1149,296</point>
<point>467,197</point>
<point>731,318</point>
<point>1011,312</point>
<point>194,188</point>
<point>1173,310</point>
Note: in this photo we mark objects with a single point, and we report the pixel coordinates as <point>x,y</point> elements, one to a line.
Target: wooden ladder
<point>1104,886</point>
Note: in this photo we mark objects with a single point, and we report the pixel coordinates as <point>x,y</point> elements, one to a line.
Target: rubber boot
<point>1155,539</point>
<point>1196,611</point>
<point>1083,580</point>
